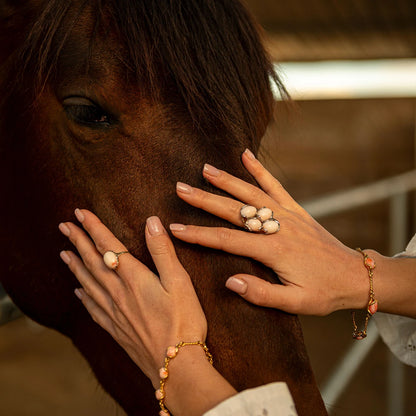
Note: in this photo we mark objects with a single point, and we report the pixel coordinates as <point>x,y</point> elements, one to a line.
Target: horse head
<point>106,105</point>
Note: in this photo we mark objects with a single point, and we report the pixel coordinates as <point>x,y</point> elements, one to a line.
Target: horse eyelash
<point>101,120</point>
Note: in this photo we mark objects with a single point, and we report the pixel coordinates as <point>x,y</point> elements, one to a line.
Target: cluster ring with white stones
<point>259,220</point>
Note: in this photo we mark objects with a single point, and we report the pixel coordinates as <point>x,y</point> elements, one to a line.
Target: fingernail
<point>183,187</point>
<point>64,229</point>
<point>177,227</point>
<point>154,226</point>
<point>64,256</point>
<point>80,216</point>
<point>236,285</point>
<point>250,154</point>
<point>78,293</point>
<point>210,170</point>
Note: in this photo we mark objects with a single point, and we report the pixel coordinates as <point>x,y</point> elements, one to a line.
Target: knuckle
<point>101,244</point>
<point>201,196</point>
<point>89,260</point>
<point>75,237</point>
<point>74,266</point>
<point>91,222</point>
<point>256,194</point>
<point>87,289</point>
<point>261,295</point>
<point>223,236</point>
<point>161,248</point>
<point>197,234</point>
<point>259,172</point>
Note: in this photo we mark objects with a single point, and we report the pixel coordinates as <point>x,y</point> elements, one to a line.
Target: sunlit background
<point>340,80</point>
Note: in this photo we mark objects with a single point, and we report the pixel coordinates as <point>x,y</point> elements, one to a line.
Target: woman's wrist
<point>194,386</point>
<point>393,284</point>
<point>353,290</point>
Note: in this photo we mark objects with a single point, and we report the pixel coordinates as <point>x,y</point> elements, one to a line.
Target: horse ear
<point>15,19</point>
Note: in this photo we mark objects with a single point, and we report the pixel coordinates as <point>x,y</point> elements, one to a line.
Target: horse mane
<point>209,50</point>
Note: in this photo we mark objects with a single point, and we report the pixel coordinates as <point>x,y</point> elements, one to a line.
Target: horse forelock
<point>209,52</point>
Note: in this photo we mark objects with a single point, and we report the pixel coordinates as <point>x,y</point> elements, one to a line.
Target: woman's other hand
<point>144,313</point>
<point>318,273</point>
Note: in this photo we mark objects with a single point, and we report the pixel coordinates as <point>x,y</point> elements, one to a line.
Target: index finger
<point>105,240</point>
<point>244,191</point>
<point>232,241</point>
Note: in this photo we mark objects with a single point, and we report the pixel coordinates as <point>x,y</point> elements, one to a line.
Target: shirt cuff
<point>399,332</point>
<point>271,399</point>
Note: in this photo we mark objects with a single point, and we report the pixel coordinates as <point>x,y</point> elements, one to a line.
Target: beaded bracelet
<point>372,306</point>
<point>171,353</point>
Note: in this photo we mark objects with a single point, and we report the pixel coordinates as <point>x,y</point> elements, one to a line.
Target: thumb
<point>263,293</point>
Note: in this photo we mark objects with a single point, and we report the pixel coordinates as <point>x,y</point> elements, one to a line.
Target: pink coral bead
<point>171,352</point>
<point>159,394</point>
<point>372,309</point>
<point>370,263</point>
<point>163,373</point>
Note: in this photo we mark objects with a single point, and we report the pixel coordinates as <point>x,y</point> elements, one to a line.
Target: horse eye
<point>87,113</point>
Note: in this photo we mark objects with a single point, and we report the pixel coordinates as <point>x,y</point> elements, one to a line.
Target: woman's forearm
<point>194,386</point>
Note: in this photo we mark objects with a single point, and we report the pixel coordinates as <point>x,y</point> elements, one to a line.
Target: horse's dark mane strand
<point>207,49</point>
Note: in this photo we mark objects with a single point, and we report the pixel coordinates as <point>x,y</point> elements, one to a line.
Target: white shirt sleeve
<point>399,332</point>
<point>272,399</point>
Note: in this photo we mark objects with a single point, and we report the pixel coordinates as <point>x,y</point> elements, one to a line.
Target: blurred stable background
<point>350,68</point>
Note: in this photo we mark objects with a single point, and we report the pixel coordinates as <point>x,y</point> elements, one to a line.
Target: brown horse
<point>105,105</point>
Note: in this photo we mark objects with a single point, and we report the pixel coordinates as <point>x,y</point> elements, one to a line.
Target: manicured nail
<point>236,285</point>
<point>210,170</point>
<point>64,229</point>
<point>177,227</point>
<point>249,154</point>
<point>78,293</point>
<point>154,226</point>
<point>183,187</point>
<point>64,256</point>
<point>80,216</point>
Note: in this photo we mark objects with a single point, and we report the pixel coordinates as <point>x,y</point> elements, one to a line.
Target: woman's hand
<point>142,312</point>
<point>145,313</point>
<point>319,273</point>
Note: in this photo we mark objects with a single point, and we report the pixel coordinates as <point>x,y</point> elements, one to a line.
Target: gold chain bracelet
<point>372,306</point>
<point>171,353</point>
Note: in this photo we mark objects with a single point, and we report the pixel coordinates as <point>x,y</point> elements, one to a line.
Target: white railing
<point>395,189</point>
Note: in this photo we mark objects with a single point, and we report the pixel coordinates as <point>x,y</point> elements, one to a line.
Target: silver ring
<point>111,259</point>
<point>259,220</point>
